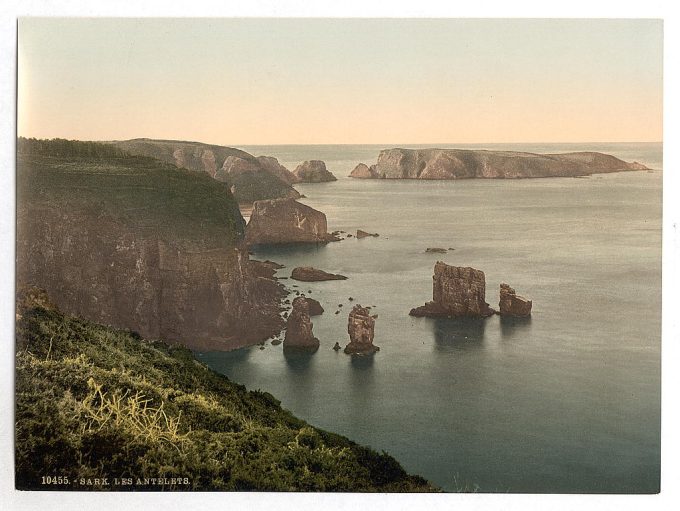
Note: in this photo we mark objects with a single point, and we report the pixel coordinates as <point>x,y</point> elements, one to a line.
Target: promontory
<point>464,164</point>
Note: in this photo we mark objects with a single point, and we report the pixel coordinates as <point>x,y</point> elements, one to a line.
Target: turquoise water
<point>568,401</point>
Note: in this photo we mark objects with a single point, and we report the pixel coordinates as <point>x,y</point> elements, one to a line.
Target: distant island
<point>465,164</point>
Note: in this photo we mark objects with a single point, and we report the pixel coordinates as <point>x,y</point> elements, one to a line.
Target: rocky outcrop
<point>360,326</point>
<point>299,334</point>
<point>286,221</point>
<point>309,274</point>
<point>462,164</point>
<point>363,234</point>
<point>115,248</point>
<point>363,171</point>
<point>248,177</point>
<point>511,304</point>
<point>315,308</point>
<point>436,250</point>
<point>313,171</point>
<point>456,291</point>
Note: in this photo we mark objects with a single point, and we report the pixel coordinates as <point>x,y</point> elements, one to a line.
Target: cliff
<point>464,164</point>
<point>139,244</point>
<point>456,291</point>
<point>92,401</point>
<point>251,178</point>
<point>286,221</point>
<point>313,171</point>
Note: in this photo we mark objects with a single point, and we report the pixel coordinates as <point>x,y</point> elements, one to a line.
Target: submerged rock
<point>436,250</point>
<point>511,304</point>
<point>363,234</point>
<point>286,221</point>
<point>309,274</point>
<point>313,171</point>
<point>299,333</point>
<point>456,291</point>
<point>360,326</point>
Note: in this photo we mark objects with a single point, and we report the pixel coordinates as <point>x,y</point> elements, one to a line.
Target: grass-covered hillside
<point>142,192</point>
<point>93,402</point>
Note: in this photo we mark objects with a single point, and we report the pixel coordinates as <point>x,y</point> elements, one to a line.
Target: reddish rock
<point>456,291</point>
<point>286,221</point>
<point>315,308</point>
<point>309,274</point>
<point>360,327</point>
<point>511,304</point>
<point>313,171</point>
<point>363,234</point>
<point>299,333</point>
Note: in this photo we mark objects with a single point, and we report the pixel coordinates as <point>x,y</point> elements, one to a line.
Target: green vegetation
<point>141,192</point>
<point>93,402</point>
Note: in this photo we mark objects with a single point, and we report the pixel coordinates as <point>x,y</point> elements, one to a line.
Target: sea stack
<point>456,291</point>
<point>299,334</point>
<point>286,221</point>
<point>511,304</point>
<point>360,327</point>
<point>313,171</point>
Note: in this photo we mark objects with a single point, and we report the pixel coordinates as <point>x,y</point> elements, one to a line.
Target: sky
<point>341,81</point>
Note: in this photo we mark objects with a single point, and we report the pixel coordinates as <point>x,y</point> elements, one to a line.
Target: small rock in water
<point>337,312</point>
<point>339,305</point>
<point>337,346</point>
<point>436,250</point>
<point>261,347</point>
<point>276,342</point>
<point>351,299</point>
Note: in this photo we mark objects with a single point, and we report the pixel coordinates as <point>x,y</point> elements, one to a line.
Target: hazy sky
<point>279,81</point>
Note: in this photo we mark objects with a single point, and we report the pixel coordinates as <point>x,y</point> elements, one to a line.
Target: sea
<point>566,401</point>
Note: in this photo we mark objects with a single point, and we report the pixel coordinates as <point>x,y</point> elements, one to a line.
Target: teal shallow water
<point>568,401</point>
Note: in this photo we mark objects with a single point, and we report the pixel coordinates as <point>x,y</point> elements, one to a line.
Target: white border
<point>11,9</point>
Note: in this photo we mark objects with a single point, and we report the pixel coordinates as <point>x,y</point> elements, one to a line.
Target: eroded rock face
<point>511,304</point>
<point>250,178</point>
<point>315,308</point>
<point>313,171</point>
<point>121,259</point>
<point>456,291</point>
<point>299,328</point>
<point>361,327</point>
<point>309,274</point>
<point>362,171</point>
<point>462,164</point>
<point>286,221</point>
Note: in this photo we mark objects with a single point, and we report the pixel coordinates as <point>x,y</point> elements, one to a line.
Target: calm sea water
<point>568,401</point>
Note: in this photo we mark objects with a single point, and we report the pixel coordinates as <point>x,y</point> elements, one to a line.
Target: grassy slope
<point>96,402</point>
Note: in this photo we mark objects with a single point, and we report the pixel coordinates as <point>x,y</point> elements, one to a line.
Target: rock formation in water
<point>462,163</point>
<point>299,328</point>
<point>250,178</point>
<point>315,308</point>
<point>360,326</point>
<point>281,221</point>
<point>511,304</point>
<point>313,171</point>
<point>139,244</point>
<point>363,234</point>
<point>436,250</point>
<point>456,291</point>
<point>309,274</point>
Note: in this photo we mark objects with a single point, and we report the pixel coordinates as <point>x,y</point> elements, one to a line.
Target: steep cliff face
<point>286,221</point>
<point>138,244</point>
<point>313,171</point>
<point>464,164</point>
<point>456,291</point>
<point>251,178</point>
